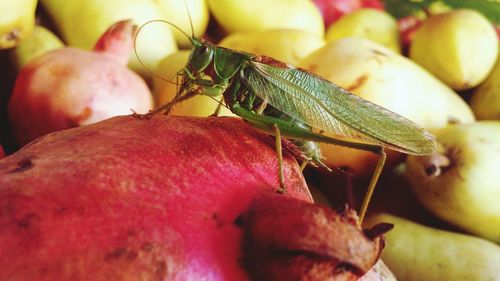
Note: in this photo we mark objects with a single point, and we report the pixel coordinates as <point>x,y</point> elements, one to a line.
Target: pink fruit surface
<point>407,27</point>
<point>334,9</point>
<point>331,10</point>
<point>375,4</point>
<point>71,87</point>
<point>126,198</point>
<point>167,198</point>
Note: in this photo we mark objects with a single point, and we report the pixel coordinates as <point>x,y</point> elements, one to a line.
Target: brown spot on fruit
<point>23,165</point>
<point>27,220</point>
<point>358,83</point>
<point>161,270</point>
<point>218,220</point>
<point>115,254</point>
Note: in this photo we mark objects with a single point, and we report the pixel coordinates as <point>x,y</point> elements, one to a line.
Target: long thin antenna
<point>220,102</point>
<point>137,53</point>
<point>190,19</point>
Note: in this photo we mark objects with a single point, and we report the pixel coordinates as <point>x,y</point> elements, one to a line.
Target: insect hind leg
<point>373,183</point>
<point>279,152</point>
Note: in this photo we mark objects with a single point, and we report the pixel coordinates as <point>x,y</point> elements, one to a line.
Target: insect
<point>288,102</point>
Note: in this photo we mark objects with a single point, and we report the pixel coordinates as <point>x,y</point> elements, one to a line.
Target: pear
<point>415,252</point>
<point>287,45</point>
<point>485,101</point>
<point>386,78</point>
<point>81,22</point>
<point>244,15</point>
<point>372,24</point>
<point>195,13</point>
<point>40,41</point>
<point>459,47</point>
<point>165,89</point>
<point>17,19</point>
<point>459,183</point>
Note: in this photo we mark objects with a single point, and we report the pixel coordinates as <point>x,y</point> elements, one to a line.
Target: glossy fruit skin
<point>70,87</point>
<point>40,41</point>
<point>243,16</point>
<point>180,12</point>
<point>416,252</point>
<point>128,199</point>
<point>286,45</point>
<point>332,10</point>
<point>463,191</point>
<point>485,101</point>
<point>459,47</point>
<point>17,20</point>
<point>81,23</point>
<point>372,24</point>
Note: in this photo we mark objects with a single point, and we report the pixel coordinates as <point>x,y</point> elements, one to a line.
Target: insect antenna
<point>219,102</point>
<point>190,19</point>
<point>139,58</point>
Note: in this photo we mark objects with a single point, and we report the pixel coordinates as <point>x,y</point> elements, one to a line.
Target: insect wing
<point>326,106</point>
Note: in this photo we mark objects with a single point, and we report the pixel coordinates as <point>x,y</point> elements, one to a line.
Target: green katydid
<point>290,102</point>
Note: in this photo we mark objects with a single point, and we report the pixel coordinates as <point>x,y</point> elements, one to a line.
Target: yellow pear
<point>386,78</point>
<point>164,89</point>
<point>460,182</point>
<point>459,47</point>
<point>17,19</point>
<point>372,24</point>
<point>287,45</point>
<point>40,41</point>
<point>81,22</point>
<point>485,102</point>
<point>415,252</point>
<point>244,15</point>
<point>179,12</point>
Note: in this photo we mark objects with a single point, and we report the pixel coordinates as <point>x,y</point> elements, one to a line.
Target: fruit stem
<point>117,42</point>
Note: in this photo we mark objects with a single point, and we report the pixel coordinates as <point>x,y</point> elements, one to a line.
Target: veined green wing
<point>325,106</point>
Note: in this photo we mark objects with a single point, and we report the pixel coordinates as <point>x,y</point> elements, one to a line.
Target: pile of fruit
<point>88,191</point>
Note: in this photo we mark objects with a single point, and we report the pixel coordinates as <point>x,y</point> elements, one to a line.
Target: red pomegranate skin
<point>133,199</point>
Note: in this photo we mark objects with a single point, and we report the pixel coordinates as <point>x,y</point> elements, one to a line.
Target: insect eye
<point>203,49</point>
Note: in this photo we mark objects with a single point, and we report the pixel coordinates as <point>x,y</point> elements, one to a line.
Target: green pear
<point>243,15</point>
<point>81,22</point>
<point>386,78</point>
<point>460,182</point>
<point>485,101</point>
<point>286,45</point>
<point>459,47</point>
<point>184,13</point>
<point>40,41</point>
<point>372,24</point>
<point>415,252</point>
<point>17,19</point>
